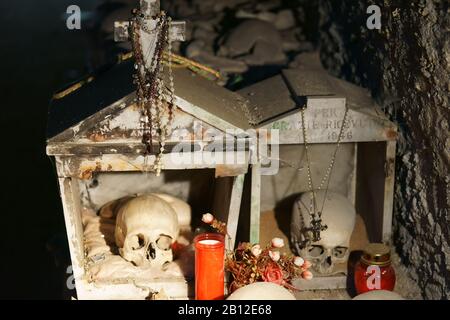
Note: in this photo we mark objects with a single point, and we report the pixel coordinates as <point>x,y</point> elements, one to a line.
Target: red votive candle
<point>374,270</point>
<point>209,266</point>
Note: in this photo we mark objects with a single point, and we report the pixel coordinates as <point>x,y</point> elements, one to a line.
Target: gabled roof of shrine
<point>308,80</point>
<point>194,94</point>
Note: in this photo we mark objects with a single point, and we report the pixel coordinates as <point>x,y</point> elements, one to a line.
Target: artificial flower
<point>277,242</point>
<point>307,264</point>
<point>274,255</point>
<point>273,273</point>
<point>256,250</point>
<point>298,261</point>
<point>307,275</point>
<point>208,218</point>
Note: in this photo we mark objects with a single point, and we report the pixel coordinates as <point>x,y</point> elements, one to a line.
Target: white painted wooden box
<point>95,139</point>
<point>365,163</point>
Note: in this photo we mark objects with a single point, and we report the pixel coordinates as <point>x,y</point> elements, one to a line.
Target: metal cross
<point>316,228</point>
<point>149,8</point>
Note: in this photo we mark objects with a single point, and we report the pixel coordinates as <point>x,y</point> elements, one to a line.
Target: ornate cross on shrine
<point>316,228</point>
<point>150,8</point>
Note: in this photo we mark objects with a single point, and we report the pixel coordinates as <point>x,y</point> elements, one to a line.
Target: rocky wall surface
<point>406,65</point>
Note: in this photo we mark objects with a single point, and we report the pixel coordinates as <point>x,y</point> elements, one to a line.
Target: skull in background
<point>146,228</point>
<point>338,215</point>
<point>182,209</point>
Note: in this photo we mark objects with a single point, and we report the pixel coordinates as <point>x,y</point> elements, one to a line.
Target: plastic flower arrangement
<point>250,263</point>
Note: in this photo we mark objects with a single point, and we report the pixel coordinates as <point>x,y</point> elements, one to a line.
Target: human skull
<point>333,248</point>
<point>379,295</point>
<point>262,291</point>
<point>146,228</point>
<point>182,209</point>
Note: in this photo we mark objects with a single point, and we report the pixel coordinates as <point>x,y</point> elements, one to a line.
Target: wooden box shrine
<point>365,162</point>
<point>95,139</point>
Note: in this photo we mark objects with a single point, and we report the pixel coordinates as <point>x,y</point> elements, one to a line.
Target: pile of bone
<point>232,36</point>
<point>139,237</point>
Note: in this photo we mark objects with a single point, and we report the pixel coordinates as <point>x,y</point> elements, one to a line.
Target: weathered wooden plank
<point>72,216</point>
<point>321,283</point>
<point>234,210</point>
<point>136,290</point>
<point>126,125</point>
<point>352,189</point>
<point>94,149</point>
<point>210,102</point>
<point>110,111</point>
<point>255,203</point>
<point>308,82</point>
<point>176,32</point>
<point>85,167</point>
<point>323,120</point>
<point>150,7</point>
<point>134,147</point>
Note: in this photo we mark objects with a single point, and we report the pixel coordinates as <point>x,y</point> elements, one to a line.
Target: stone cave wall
<point>406,65</point>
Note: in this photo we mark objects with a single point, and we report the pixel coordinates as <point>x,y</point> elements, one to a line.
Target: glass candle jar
<point>209,266</point>
<point>374,270</point>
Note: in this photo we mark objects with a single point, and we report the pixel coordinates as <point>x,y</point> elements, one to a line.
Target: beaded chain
<point>316,225</point>
<point>156,115</point>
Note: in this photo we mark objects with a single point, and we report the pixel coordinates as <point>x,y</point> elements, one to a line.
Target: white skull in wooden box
<point>146,228</point>
<point>339,215</point>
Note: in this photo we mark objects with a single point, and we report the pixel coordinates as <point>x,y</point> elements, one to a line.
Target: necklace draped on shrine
<point>315,213</point>
<point>154,102</point>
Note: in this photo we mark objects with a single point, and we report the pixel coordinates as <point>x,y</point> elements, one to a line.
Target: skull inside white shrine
<point>146,228</point>
<point>339,215</point>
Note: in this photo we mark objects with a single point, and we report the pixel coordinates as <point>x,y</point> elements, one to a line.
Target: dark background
<point>38,56</point>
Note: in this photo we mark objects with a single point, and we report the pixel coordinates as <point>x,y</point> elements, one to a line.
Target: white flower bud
<point>277,242</point>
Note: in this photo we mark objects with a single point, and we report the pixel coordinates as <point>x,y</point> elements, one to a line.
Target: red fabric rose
<point>273,273</point>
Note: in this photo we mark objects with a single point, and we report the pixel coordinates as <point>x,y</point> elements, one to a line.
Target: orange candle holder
<point>209,266</point>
